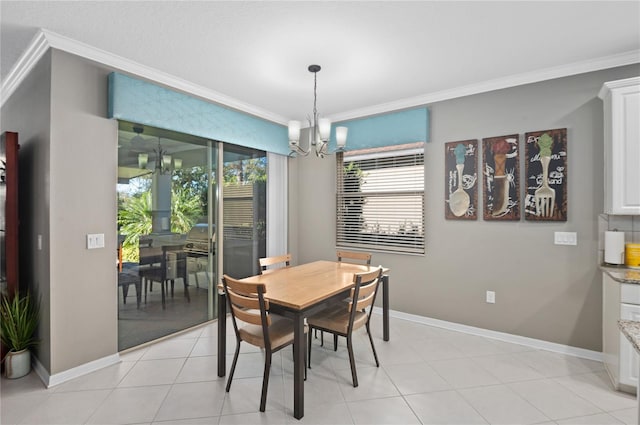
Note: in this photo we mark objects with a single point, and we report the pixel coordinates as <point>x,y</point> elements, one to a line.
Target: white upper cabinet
<point>621,146</point>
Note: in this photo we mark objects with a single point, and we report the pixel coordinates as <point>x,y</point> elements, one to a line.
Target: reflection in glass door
<point>244,209</point>
<point>167,232</point>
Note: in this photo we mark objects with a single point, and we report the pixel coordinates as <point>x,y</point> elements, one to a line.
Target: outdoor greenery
<point>134,212</point>
<point>352,205</point>
<point>19,322</point>
<point>189,193</point>
<point>246,171</point>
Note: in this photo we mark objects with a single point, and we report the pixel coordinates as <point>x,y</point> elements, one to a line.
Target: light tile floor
<point>427,376</point>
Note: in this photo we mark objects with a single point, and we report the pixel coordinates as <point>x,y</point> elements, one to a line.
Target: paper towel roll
<point>614,247</point>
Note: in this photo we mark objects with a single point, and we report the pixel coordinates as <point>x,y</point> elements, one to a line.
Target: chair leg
<point>186,289</point>
<point>145,289</point>
<point>352,361</point>
<point>125,292</point>
<point>233,366</point>
<point>309,351</point>
<point>335,342</point>
<point>373,347</point>
<point>265,380</point>
<point>138,292</point>
<point>163,295</point>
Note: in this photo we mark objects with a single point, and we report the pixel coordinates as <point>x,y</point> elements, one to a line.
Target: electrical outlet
<point>565,238</point>
<point>491,297</point>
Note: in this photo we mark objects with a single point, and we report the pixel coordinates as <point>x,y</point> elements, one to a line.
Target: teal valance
<point>146,103</point>
<point>139,101</point>
<point>393,128</point>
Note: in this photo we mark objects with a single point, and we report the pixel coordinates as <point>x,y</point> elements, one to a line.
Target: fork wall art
<point>546,175</point>
<point>501,170</point>
<point>460,163</point>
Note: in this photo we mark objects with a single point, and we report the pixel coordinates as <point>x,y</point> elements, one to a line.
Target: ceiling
<point>375,53</point>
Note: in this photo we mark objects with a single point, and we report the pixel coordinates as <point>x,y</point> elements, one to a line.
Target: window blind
<point>380,199</point>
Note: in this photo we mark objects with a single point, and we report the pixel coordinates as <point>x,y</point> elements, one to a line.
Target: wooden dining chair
<point>342,320</point>
<point>266,264</point>
<point>349,257</point>
<point>353,256</point>
<point>261,328</point>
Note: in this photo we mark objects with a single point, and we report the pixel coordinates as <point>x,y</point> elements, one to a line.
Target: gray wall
<point>27,112</point>
<point>83,180</point>
<point>543,291</point>
<point>68,165</point>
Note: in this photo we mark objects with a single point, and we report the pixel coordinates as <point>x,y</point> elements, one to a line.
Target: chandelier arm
<point>299,151</point>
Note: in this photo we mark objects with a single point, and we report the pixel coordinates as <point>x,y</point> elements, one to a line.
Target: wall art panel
<point>461,176</point>
<point>546,175</point>
<point>501,170</point>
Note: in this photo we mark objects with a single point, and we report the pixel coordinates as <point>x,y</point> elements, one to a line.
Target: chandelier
<point>163,160</point>
<point>319,129</point>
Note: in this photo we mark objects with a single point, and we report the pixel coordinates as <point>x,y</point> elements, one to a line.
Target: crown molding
<point>611,85</point>
<point>29,58</point>
<point>46,39</point>
<point>597,64</point>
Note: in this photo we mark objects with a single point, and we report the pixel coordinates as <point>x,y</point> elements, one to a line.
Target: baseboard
<point>59,378</point>
<point>501,336</point>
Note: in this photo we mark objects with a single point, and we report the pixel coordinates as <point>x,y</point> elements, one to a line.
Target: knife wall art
<point>501,169</point>
<point>461,176</point>
<point>546,175</point>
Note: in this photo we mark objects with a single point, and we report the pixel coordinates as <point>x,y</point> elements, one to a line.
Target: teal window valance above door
<point>139,101</point>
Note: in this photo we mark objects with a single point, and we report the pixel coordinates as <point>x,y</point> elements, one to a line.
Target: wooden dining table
<point>297,292</point>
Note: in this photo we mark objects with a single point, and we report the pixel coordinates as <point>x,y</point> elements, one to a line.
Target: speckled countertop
<point>631,329</point>
<point>622,274</point>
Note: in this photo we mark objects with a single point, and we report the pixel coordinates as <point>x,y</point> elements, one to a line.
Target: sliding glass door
<point>173,191</point>
<point>167,232</point>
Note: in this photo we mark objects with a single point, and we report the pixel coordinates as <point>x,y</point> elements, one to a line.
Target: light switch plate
<point>491,297</point>
<point>95,240</point>
<point>565,238</point>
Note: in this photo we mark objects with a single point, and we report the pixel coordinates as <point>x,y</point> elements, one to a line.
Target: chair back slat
<point>353,255</point>
<point>266,262</point>
<point>364,292</point>
<point>247,301</point>
<point>252,317</point>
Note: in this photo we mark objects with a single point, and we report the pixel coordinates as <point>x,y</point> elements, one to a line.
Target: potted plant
<point>18,323</point>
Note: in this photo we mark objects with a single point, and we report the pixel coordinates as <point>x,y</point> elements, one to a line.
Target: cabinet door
<point>629,359</point>
<point>622,147</point>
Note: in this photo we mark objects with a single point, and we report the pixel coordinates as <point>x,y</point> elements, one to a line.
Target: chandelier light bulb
<point>324,128</point>
<point>143,158</point>
<point>294,132</point>
<point>341,137</point>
